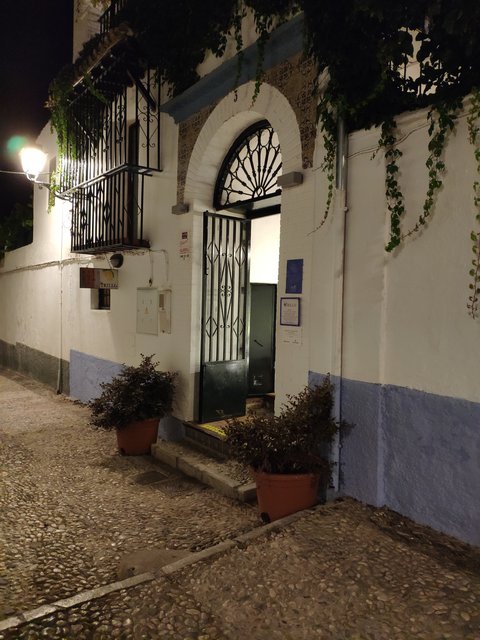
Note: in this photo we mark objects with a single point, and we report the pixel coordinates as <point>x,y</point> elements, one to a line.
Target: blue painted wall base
<point>417,453</point>
<point>86,374</point>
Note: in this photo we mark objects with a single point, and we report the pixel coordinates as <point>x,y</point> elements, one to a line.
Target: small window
<point>104,298</point>
<point>100,298</point>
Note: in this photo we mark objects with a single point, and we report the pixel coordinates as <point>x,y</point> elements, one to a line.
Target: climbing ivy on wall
<point>442,118</point>
<point>395,199</point>
<point>474,135</point>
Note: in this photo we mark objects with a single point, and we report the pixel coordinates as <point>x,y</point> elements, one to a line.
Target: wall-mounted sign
<point>184,248</point>
<point>290,312</point>
<point>294,276</point>
<point>147,311</point>
<point>292,335</point>
<point>98,278</point>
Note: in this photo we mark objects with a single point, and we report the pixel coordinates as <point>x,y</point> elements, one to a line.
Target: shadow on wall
<point>35,364</point>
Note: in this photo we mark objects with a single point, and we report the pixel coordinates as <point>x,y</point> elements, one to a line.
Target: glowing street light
<point>33,161</point>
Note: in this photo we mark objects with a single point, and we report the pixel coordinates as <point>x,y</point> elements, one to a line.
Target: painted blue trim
<point>283,43</point>
<point>417,453</point>
<point>87,373</point>
<point>432,460</point>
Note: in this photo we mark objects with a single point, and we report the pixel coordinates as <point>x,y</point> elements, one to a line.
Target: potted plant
<point>288,453</point>
<point>132,403</point>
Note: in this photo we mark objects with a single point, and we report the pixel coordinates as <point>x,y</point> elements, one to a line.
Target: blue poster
<point>294,276</point>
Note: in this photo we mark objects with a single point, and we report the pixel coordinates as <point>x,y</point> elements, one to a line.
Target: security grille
<point>225,280</point>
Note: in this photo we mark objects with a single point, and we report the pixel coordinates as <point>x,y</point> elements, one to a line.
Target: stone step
<point>225,476</point>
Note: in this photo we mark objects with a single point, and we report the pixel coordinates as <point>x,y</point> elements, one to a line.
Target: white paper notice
<point>292,335</point>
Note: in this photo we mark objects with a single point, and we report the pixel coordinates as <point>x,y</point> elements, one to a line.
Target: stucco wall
<point>393,329</point>
<point>406,350</point>
<point>44,308</point>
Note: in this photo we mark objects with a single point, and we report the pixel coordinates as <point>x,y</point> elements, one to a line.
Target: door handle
<point>257,342</point>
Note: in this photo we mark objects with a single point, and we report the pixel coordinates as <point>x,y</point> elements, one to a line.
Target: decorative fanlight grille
<point>250,170</point>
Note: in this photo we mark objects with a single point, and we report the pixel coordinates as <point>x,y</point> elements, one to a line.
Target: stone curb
<point>202,472</point>
<point>216,550</point>
<point>79,598</point>
<point>240,542</point>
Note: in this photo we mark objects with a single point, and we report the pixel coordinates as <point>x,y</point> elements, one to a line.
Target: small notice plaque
<point>290,312</point>
<point>184,248</point>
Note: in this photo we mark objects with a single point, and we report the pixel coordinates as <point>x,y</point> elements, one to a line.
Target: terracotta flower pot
<point>280,495</point>
<point>136,438</point>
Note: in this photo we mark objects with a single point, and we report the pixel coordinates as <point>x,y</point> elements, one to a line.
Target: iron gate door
<point>224,357</point>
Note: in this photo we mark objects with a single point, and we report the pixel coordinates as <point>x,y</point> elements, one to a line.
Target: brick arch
<point>223,124</point>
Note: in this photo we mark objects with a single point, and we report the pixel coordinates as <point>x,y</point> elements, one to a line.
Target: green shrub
<point>296,441</point>
<point>137,393</point>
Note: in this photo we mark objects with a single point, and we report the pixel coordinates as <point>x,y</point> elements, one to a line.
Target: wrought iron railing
<point>112,142</point>
<point>110,126</point>
<point>109,18</point>
<point>107,213</point>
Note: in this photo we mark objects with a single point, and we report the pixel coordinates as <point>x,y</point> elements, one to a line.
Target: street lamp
<point>33,161</point>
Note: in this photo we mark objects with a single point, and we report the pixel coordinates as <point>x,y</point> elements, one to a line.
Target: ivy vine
<point>329,130</point>
<point>474,137</point>
<point>395,199</point>
<point>442,118</point>
<point>364,45</point>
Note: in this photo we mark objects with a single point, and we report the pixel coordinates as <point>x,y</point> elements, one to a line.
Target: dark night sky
<point>36,43</point>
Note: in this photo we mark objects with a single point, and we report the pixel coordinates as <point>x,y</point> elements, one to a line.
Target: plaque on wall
<point>290,312</point>
<point>98,278</point>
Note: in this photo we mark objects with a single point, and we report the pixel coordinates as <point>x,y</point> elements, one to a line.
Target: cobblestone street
<point>76,516</point>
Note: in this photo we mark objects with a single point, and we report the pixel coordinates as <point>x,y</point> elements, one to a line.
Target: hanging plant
<point>365,46</point>
<point>395,199</point>
<point>473,133</point>
<point>268,15</point>
<point>442,118</point>
<point>59,99</point>
<point>238,17</point>
<point>328,125</point>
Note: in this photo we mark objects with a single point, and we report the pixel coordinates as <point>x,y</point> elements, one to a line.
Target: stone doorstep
<point>203,471</point>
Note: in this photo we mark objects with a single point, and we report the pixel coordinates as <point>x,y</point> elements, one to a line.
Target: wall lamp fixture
<point>33,161</point>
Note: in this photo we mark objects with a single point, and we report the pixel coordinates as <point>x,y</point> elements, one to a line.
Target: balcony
<point>107,213</point>
<point>111,143</point>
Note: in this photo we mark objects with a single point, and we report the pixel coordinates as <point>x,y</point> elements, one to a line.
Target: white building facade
<point>391,329</point>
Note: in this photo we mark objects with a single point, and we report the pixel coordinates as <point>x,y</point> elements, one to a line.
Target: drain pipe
<point>59,372</point>
<point>341,186</point>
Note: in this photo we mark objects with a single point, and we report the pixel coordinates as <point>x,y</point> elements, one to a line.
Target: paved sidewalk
<point>76,517</point>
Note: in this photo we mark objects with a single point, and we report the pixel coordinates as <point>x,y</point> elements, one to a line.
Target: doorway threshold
<point>210,436</point>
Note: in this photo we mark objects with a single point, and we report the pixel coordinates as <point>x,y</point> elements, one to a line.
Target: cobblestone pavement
<point>72,512</point>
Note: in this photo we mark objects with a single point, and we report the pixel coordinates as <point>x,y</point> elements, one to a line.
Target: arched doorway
<point>241,239</point>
